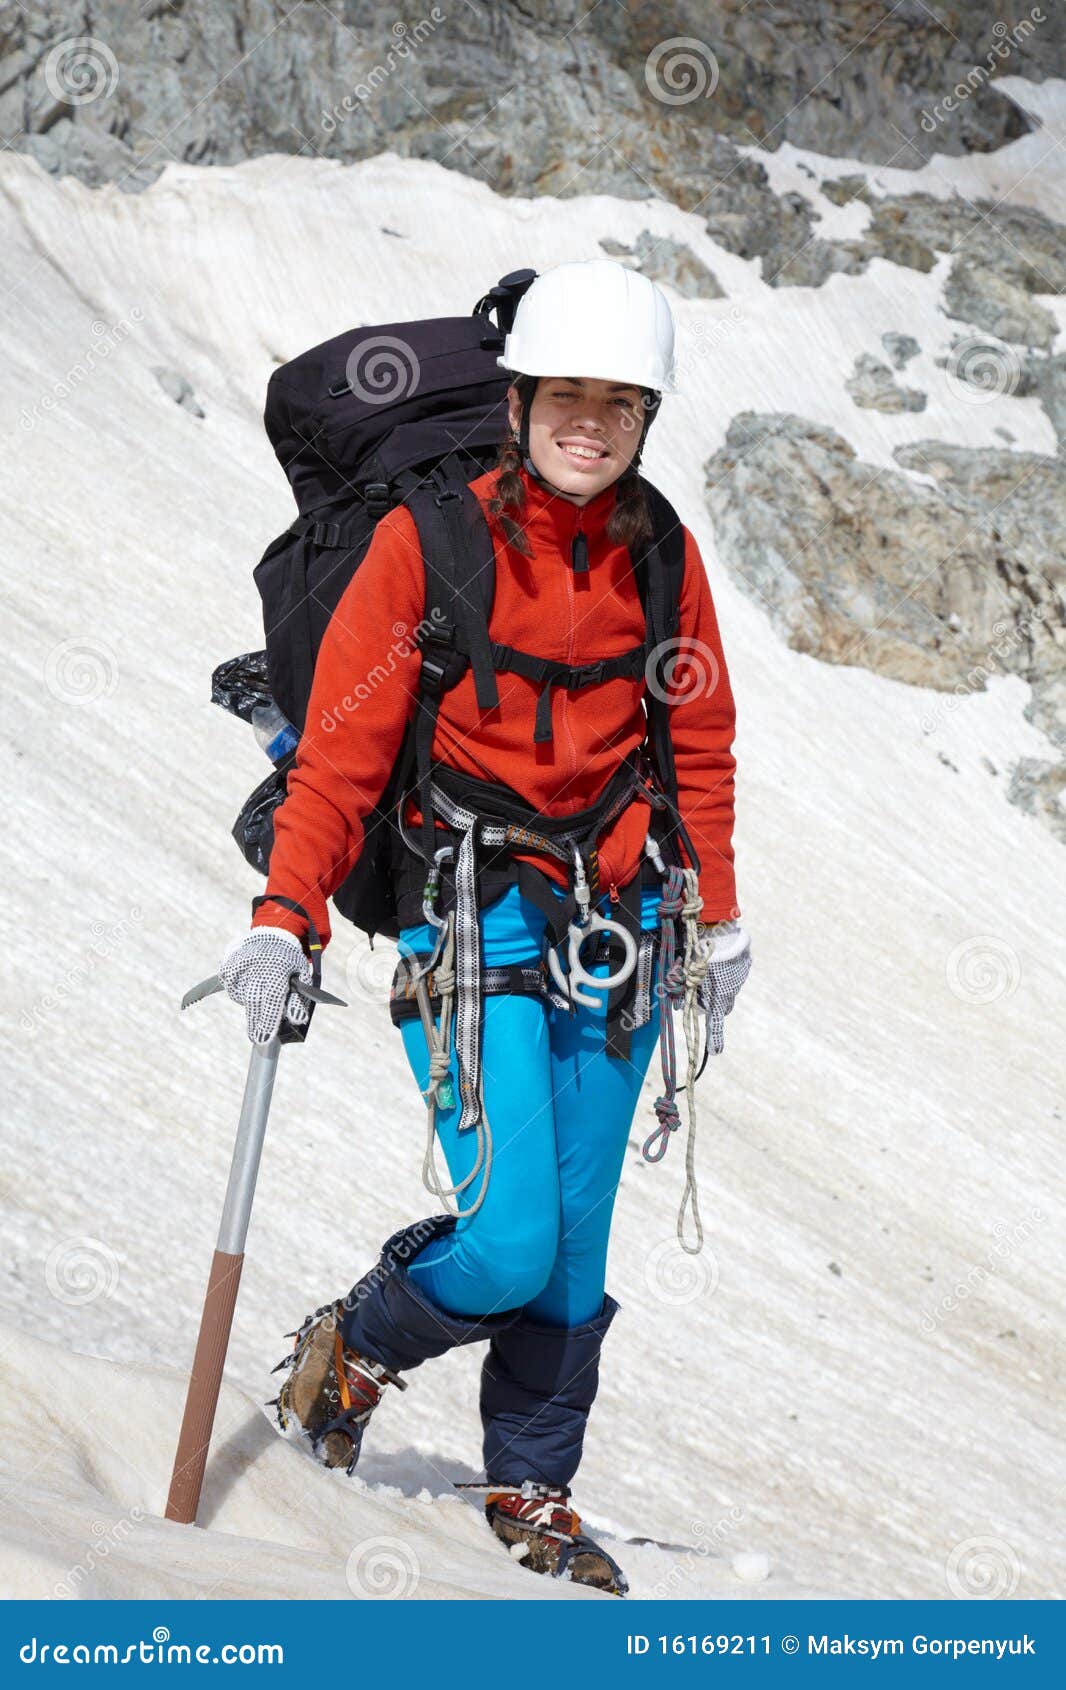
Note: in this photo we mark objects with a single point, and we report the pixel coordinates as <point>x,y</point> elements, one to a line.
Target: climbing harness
<point>449,982</point>
<point>486,831</point>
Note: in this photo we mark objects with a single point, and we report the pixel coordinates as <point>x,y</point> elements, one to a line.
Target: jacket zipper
<point>564,701</point>
<point>576,566</point>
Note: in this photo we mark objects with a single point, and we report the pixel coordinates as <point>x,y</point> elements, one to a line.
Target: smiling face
<point>583,432</point>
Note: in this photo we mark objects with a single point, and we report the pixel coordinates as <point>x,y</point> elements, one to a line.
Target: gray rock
<point>901,348</point>
<point>1046,378</point>
<point>1039,789</point>
<point>668,261</point>
<point>176,387</point>
<point>979,294</point>
<point>1004,256</point>
<point>843,190</point>
<point>943,586</point>
<point>873,386</point>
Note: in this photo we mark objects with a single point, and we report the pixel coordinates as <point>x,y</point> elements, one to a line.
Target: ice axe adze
<point>217,1319</point>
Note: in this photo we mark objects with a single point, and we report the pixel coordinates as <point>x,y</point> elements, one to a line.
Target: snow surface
<point>857,1389</point>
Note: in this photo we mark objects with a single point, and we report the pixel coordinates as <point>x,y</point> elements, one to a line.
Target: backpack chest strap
<point>549,673</point>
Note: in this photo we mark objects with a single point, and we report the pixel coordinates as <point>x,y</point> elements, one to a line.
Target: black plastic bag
<point>254,828</point>
<point>240,685</point>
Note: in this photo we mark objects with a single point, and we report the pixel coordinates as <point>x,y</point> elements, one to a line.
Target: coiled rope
<point>679,984</point>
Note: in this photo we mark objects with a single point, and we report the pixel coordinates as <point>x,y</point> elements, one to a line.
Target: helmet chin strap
<point>527,462</point>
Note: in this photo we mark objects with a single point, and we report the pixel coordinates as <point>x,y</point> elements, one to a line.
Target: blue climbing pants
<point>560,1110</point>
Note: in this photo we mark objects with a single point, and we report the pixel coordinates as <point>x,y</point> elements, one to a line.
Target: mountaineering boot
<point>346,1352</point>
<point>538,1384</point>
<point>331,1390</point>
<point>543,1532</point>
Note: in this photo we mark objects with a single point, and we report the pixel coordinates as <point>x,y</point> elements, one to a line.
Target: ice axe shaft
<point>216,1322</point>
<point>217,1319</point>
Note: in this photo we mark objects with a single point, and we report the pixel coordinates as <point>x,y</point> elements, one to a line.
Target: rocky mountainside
<point>634,100</point>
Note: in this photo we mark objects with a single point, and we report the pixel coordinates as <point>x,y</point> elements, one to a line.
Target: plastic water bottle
<point>274,733</point>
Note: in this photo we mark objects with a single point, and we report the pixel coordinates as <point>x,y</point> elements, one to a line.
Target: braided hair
<point>629,521</point>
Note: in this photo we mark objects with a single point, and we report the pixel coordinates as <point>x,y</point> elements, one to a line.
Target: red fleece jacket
<point>366,680</point>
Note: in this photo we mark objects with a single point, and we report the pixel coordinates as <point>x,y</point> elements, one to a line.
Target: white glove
<point>729,966</point>
<point>256,971</point>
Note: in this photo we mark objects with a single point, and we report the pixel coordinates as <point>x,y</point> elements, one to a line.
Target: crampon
<point>331,1391</point>
<point>544,1533</point>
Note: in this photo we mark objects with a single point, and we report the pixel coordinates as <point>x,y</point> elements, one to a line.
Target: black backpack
<point>407,413</point>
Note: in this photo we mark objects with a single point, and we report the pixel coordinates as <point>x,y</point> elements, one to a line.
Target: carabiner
<point>429,899</point>
<point>651,850</point>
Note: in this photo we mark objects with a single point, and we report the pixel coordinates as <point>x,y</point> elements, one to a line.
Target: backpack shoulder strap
<point>659,565</point>
<point>660,568</point>
<point>459,559</point>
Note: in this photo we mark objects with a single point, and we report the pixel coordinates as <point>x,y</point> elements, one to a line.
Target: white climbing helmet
<point>596,318</point>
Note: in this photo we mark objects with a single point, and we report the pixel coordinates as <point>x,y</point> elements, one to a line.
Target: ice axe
<point>216,1322</point>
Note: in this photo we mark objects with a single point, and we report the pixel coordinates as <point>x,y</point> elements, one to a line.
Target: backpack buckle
<point>587,674</point>
<point>431,675</point>
<point>378,499</point>
<point>435,665</point>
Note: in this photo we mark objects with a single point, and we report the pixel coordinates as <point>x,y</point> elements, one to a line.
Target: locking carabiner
<point>429,910</point>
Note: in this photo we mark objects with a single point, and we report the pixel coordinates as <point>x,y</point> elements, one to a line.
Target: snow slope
<point>82,1500</point>
<point>861,1379</point>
